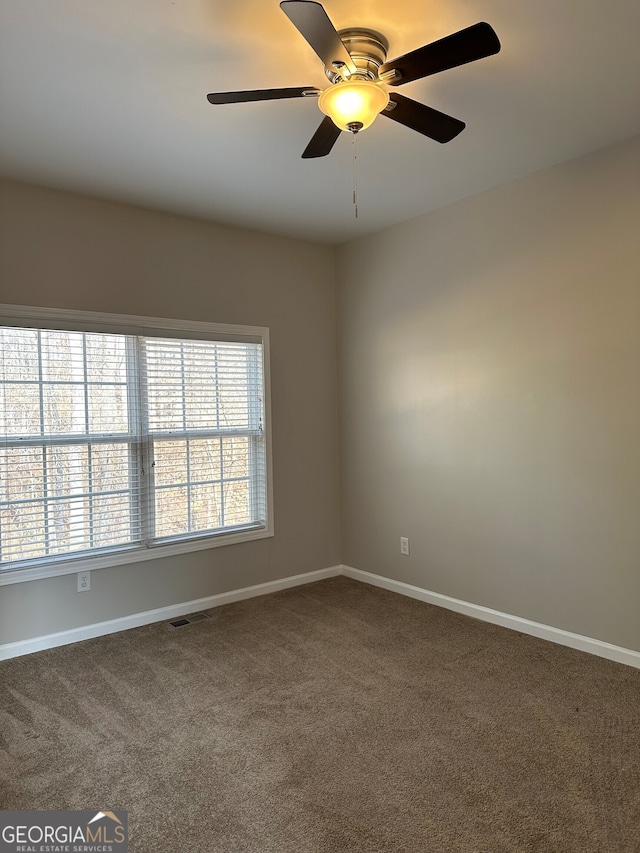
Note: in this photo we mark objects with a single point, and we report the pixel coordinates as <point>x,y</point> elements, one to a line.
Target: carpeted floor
<point>329,718</point>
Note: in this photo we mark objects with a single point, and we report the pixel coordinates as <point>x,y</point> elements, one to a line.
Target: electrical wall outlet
<point>84,581</point>
<point>404,545</point>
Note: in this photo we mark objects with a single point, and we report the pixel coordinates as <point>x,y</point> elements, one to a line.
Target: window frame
<point>90,321</point>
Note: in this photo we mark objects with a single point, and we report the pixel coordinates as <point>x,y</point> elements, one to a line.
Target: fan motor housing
<point>368,50</point>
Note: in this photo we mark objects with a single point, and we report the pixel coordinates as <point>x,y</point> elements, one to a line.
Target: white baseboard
<point>486,614</point>
<point>161,614</point>
<point>477,611</point>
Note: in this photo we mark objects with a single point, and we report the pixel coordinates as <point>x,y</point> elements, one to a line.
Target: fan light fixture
<point>357,59</point>
<point>353,104</point>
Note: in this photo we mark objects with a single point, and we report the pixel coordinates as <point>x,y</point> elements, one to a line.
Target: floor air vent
<point>187,620</point>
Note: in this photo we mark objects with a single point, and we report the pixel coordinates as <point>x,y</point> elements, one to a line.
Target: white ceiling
<point>108,97</point>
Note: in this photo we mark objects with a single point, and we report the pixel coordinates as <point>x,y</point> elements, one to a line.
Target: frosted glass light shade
<point>353,102</point>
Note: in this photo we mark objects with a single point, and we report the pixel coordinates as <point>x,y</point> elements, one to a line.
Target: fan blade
<point>424,119</point>
<point>313,23</point>
<point>475,42</point>
<point>260,95</point>
<point>322,140</point>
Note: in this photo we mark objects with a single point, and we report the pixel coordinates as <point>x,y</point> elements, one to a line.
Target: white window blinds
<point>117,441</point>
<point>205,427</point>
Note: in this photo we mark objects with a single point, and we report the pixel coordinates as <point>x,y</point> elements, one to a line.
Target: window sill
<point>126,557</point>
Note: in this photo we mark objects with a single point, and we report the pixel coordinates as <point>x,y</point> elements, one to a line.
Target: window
<point>131,443</point>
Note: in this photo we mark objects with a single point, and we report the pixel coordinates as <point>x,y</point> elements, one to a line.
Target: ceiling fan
<point>355,62</point>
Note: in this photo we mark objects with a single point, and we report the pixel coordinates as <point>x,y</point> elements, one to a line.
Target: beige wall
<point>489,391</point>
<point>489,358</point>
<point>65,251</point>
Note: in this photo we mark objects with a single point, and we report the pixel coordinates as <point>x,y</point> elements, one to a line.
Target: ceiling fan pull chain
<point>355,174</point>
